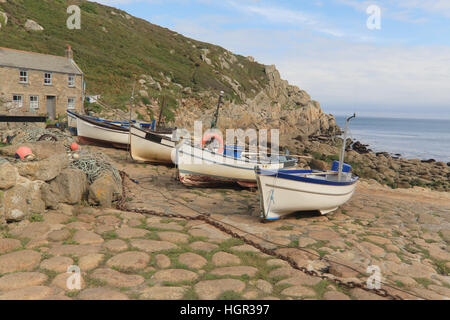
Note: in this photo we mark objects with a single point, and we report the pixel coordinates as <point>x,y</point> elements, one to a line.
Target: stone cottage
<point>40,83</point>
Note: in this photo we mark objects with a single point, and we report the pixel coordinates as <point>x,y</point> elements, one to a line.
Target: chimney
<point>69,52</point>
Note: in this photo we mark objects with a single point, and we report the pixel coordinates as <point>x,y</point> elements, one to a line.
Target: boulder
<point>143,93</point>
<point>8,175</point>
<point>318,164</point>
<point>104,190</point>
<point>32,25</point>
<point>3,19</point>
<point>69,187</point>
<point>22,200</point>
<point>46,170</point>
<point>156,85</point>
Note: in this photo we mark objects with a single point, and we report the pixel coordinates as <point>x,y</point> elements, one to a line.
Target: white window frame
<point>49,79</point>
<point>71,81</point>
<point>23,76</point>
<point>18,103</point>
<point>34,105</point>
<point>71,105</point>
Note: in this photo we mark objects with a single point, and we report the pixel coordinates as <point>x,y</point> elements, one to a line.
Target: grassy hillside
<point>112,48</point>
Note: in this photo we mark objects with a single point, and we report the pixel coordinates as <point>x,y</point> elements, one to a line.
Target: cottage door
<point>51,107</point>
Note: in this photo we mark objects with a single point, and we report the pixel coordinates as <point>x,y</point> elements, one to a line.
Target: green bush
<point>88,7</point>
<point>145,100</point>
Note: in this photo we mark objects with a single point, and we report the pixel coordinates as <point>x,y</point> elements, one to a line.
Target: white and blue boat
<point>284,192</point>
<point>203,167</point>
<point>101,131</point>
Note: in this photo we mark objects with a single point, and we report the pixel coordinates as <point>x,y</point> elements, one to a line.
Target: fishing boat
<point>151,146</point>
<point>102,131</point>
<point>286,192</point>
<point>72,119</point>
<point>213,163</point>
<point>91,131</point>
<point>202,167</point>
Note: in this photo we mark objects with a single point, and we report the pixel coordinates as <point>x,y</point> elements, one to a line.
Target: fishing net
<point>94,165</point>
<point>33,134</point>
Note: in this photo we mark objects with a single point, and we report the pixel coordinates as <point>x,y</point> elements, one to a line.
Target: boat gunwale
<point>100,123</point>
<point>120,126</point>
<point>155,133</point>
<point>214,154</point>
<point>288,175</point>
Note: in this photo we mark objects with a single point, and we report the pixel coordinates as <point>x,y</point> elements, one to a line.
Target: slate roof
<point>37,61</point>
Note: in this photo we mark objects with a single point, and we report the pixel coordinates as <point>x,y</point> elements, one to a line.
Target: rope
<point>94,166</point>
<point>32,134</point>
<point>274,243</point>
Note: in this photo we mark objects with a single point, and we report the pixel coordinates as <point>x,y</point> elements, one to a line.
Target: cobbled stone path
<point>123,255</point>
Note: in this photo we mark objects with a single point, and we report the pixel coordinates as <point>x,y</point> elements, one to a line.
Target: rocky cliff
<point>278,105</point>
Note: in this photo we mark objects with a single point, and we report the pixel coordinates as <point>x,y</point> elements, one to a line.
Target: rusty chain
<point>121,205</point>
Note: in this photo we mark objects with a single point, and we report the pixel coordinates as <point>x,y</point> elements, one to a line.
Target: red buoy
<point>74,146</point>
<point>23,152</point>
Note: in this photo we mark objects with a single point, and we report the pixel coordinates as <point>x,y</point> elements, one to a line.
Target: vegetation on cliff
<point>113,47</point>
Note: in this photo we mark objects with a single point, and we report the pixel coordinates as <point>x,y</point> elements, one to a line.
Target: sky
<point>375,58</point>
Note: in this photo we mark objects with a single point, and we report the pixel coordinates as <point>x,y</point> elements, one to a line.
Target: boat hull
<point>91,132</point>
<point>198,167</point>
<point>149,147</point>
<point>279,196</point>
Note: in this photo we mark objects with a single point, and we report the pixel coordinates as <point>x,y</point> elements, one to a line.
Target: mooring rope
<point>206,218</point>
<point>94,165</point>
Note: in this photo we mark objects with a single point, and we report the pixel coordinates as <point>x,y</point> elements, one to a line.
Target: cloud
<point>343,74</point>
<point>412,11</point>
<point>283,16</point>
<point>439,7</point>
<point>364,75</point>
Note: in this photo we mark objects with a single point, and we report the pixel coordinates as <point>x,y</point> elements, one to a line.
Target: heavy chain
<point>121,205</point>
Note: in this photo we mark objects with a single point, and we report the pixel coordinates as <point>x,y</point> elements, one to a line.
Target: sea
<point>412,138</point>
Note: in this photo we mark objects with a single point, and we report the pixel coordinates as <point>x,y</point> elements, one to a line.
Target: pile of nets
<point>33,134</point>
<point>94,165</point>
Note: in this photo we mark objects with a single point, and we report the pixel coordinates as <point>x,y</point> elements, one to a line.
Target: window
<point>48,78</point>
<point>71,80</point>
<point>23,76</point>
<point>71,103</point>
<point>18,101</point>
<point>34,103</point>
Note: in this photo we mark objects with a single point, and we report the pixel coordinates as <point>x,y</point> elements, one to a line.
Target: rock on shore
<point>31,187</point>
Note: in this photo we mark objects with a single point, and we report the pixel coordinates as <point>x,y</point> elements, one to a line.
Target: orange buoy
<point>209,137</point>
<point>74,146</point>
<point>23,152</point>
